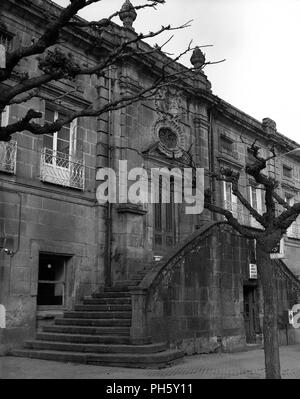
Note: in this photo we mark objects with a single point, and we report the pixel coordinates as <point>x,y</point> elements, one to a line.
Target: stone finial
<point>269,125</point>
<point>198,58</point>
<point>128,15</point>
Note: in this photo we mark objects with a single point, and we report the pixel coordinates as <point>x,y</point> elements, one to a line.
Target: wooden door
<point>250,313</point>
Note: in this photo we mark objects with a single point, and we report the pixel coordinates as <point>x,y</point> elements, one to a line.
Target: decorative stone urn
<point>198,58</point>
<point>128,15</point>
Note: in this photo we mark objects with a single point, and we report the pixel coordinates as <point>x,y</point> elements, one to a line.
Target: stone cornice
<point>241,119</point>
<point>289,186</point>
<point>152,62</point>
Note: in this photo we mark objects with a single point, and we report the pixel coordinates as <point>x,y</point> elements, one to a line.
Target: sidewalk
<point>249,365</point>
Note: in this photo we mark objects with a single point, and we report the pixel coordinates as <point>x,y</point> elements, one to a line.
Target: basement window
<point>51,281</point>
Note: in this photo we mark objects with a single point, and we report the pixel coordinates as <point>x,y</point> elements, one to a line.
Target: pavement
<point>240,365</point>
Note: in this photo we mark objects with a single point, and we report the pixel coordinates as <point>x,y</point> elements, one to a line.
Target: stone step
<point>137,277</point>
<point>106,301</point>
<point>94,348</point>
<point>103,308</point>
<point>97,315</point>
<point>93,322</point>
<point>112,294</point>
<point>120,288</point>
<point>153,360</point>
<point>83,338</point>
<point>128,284</point>
<point>119,331</point>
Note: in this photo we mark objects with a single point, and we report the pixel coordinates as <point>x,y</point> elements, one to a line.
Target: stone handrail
<point>141,293</point>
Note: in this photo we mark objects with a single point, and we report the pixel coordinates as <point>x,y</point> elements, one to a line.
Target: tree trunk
<point>270,331</point>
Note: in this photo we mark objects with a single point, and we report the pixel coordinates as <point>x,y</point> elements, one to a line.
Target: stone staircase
<point>98,332</point>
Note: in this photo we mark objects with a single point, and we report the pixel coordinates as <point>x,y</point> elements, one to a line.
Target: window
<point>230,200</point>
<point>287,171</point>
<point>289,198</point>
<point>226,145</point>
<point>6,42</point>
<point>168,138</point>
<point>294,229</point>
<point>58,163</point>
<point>51,280</point>
<point>257,202</point>
<point>58,144</point>
<point>165,220</point>
<point>8,150</point>
<point>5,116</point>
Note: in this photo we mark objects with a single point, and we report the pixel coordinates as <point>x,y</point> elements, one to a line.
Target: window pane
<point>63,146</point>
<point>49,115</point>
<point>228,192</point>
<point>157,213</point>
<point>64,133</point>
<point>254,197</point>
<point>5,116</point>
<point>48,141</point>
<point>169,217</point>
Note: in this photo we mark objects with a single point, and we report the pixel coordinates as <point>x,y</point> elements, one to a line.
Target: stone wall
<point>39,217</point>
<point>196,300</point>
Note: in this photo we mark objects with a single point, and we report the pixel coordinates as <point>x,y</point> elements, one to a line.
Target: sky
<point>258,38</point>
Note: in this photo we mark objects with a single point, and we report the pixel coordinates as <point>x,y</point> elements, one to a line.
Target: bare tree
<point>273,227</point>
<point>54,65</point>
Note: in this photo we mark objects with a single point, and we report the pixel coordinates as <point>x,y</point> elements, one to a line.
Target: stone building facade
<point>59,244</point>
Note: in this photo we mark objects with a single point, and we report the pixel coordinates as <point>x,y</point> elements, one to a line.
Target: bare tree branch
<point>281,201</point>
<point>232,177</point>
<point>245,231</point>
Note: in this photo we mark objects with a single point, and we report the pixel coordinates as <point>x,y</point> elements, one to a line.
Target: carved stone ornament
<point>168,102</point>
<point>128,15</point>
<point>170,137</point>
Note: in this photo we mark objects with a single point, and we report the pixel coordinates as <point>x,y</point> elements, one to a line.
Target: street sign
<point>252,271</point>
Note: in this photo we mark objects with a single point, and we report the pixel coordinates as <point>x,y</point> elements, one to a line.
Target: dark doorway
<point>51,280</point>
<point>251,314</point>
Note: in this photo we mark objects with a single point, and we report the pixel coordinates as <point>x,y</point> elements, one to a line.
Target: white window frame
<point>5,114</point>
<point>259,204</point>
<point>69,171</point>
<point>290,199</point>
<point>232,200</point>
<point>72,143</point>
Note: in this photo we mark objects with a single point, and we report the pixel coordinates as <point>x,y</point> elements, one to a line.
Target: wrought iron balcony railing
<point>59,168</point>
<point>8,156</point>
